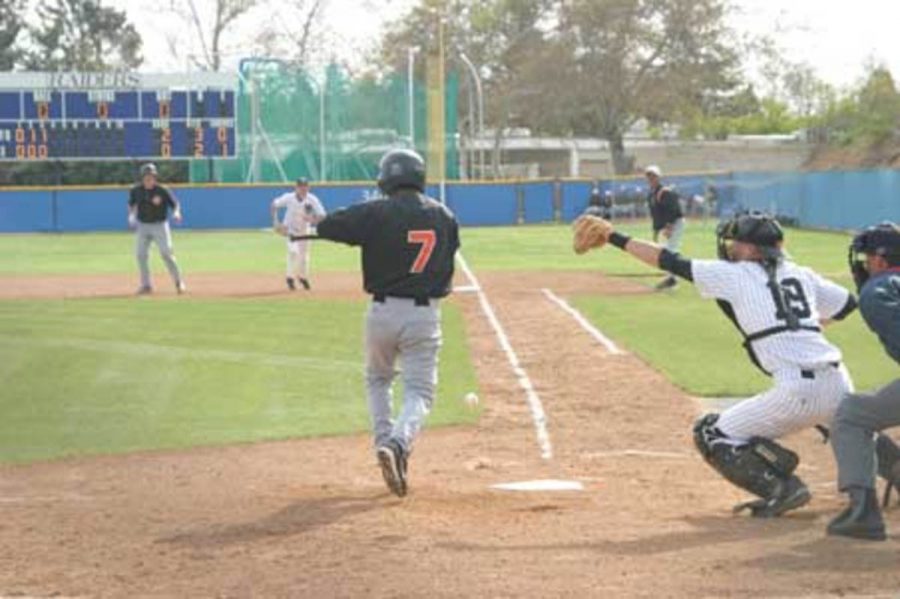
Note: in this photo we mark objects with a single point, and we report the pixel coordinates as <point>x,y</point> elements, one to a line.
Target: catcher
<point>302,210</point>
<point>779,308</point>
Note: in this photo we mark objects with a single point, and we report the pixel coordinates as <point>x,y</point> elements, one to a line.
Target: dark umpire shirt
<point>879,302</point>
<point>152,204</point>
<point>408,243</point>
<point>665,208</point>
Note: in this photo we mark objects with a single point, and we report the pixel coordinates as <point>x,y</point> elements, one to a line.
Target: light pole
<point>410,90</point>
<point>480,96</point>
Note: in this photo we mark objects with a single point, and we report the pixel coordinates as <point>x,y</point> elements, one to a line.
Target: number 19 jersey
<point>746,295</point>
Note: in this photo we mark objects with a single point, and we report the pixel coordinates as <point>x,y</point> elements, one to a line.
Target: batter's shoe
<point>290,283</point>
<point>790,495</point>
<point>667,283</point>
<point>304,282</point>
<point>180,288</point>
<point>144,290</point>
<point>862,519</point>
<point>392,459</point>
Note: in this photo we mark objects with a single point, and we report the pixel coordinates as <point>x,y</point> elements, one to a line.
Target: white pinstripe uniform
<point>299,218</point>
<point>807,371</point>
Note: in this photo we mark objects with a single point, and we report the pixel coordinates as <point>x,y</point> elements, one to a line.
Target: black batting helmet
<point>149,169</point>
<point>881,240</point>
<point>401,169</point>
<point>758,228</point>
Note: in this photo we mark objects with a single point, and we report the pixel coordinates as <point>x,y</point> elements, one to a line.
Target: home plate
<point>541,485</point>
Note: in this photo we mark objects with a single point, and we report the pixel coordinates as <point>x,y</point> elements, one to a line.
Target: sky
<point>836,38</point>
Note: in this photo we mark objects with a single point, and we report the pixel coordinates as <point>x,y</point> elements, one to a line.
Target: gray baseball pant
<point>397,329</point>
<point>147,233</point>
<point>858,418</point>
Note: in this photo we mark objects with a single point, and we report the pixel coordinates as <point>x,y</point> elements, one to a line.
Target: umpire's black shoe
<point>862,519</point>
<point>290,283</point>
<point>392,459</point>
<point>667,283</point>
<point>304,282</point>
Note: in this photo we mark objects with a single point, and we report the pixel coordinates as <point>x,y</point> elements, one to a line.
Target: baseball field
<point>215,443</point>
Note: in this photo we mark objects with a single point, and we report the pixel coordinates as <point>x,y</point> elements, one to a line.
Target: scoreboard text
<point>102,123</point>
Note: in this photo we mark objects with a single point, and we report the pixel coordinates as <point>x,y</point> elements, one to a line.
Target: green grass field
<point>102,376</point>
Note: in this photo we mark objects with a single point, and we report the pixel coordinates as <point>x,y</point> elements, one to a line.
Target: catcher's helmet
<point>149,169</point>
<point>881,240</point>
<point>758,228</point>
<point>401,169</point>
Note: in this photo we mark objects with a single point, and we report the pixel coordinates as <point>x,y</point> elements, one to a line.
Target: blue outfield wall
<point>832,200</point>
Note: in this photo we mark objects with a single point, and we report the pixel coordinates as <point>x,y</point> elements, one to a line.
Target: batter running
<point>408,243</point>
<point>779,309</point>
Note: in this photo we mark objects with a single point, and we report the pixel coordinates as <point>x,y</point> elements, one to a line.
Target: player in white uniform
<point>779,308</point>
<point>302,211</point>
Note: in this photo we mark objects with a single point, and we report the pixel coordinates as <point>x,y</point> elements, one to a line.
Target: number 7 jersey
<point>408,241</point>
<point>760,311</point>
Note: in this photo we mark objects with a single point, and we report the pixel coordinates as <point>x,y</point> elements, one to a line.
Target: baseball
<point>471,399</point>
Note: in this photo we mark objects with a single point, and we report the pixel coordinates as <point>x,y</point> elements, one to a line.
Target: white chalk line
<point>534,402</point>
<point>635,453</point>
<point>593,331</point>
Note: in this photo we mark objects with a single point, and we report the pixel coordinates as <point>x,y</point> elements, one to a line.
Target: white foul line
<point>534,402</point>
<point>581,320</point>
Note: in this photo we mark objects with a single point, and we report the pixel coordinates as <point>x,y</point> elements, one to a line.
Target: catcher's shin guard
<point>760,466</point>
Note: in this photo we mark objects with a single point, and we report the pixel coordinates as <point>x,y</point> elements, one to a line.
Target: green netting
<point>338,136</point>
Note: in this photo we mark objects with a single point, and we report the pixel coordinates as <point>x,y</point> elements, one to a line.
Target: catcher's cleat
<point>304,282</point>
<point>290,283</point>
<point>392,459</point>
<point>862,518</point>
<point>790,495</point>
<point>144,290</point>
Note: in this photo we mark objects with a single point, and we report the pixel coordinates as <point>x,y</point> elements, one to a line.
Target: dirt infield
<point>311,517</point>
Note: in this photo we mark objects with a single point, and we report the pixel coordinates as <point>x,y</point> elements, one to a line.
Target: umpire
<point>148,211</point>
<point>408,243</point>
<point>668,219</point>
<point>875,263</point>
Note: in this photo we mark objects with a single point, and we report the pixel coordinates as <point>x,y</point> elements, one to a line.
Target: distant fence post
<point>520,204</point>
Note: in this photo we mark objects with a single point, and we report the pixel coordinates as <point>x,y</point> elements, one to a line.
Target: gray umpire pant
<point>398,329</point>
<point>858,418</point>
<point>147,233</point>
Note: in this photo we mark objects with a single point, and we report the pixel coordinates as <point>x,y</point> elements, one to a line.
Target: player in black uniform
<point>668,219</point>
<point>408,243</point>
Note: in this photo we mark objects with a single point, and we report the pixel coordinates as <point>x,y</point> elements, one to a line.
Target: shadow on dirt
<point>706,531</point>
<point>831,555</point>
<point>297,518</point>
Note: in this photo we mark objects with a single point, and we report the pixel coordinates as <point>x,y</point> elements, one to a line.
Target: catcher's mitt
<point>590,232</point>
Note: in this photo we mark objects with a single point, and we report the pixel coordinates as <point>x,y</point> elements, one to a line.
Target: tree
<point>293,32</point>
<point>11,25</point>
<point>621,60</point>
<point>82,35</point>
<point>206,24</point>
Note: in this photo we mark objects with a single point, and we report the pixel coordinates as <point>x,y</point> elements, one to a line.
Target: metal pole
<point>480,93</point>
<point>410,90</point>
<point>323,173</point>
<point>441,85</point>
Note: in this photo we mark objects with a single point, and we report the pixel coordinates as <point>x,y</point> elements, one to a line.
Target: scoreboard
<point>116,116</point>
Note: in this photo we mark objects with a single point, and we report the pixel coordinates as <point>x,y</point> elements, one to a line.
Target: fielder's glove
<point>280,229</point>
<point>590,232</point>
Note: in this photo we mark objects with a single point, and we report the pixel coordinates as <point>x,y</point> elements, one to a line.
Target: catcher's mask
<point>881,240</point>
<point>401,169</point>
<point>755,228</point>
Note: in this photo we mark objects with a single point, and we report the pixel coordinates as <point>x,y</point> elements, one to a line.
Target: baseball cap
<point>302,181</point>
<point>653,170</point>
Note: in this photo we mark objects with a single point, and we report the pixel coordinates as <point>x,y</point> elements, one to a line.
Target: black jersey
<point>152,204</point>
<point>408,242</point>
<point>665,207</point>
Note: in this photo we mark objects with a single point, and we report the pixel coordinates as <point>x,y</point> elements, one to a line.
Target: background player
<point>860,415</point>
<point>667,216</point>
<point>148,211</point>
<point>778,307</point>
<point>408,246</point>
<point>301,210</point>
